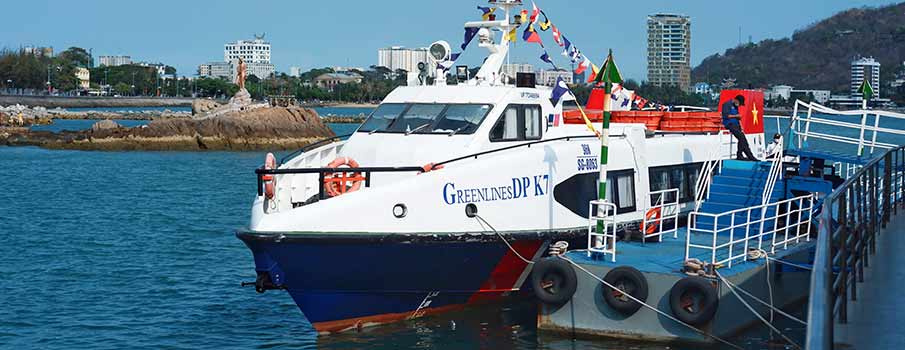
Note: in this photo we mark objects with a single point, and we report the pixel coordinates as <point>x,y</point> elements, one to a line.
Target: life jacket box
<point>752,113</point>
<point>650,119</point>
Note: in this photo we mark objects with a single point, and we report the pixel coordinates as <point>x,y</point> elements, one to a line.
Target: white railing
<point>776,168</point>
<point>789,221</point>
<point>714,163</point>
<point>603,242</point>
<point>667,214</point>
<point>845,169</point>
<point>863,127</point>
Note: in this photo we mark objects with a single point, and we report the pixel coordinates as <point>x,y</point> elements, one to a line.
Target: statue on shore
<point>240,74</point>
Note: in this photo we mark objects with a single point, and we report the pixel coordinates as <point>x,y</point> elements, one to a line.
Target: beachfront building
<point>669,50</point>
<point>328,81</point>
<point>225,70</point>
<point>398,57</point>
<point>255,53</point>
<point>865,67</point>
<point>548,77</point>
<point>84,77</point>
<point>113,61</point>
<point>788,93</point>
<point>703,89</point>
<point>509,70</point>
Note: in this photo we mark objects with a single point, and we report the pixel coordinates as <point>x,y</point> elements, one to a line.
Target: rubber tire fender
<point>558,272</point>
<point>708,300</point>
<point>630,280</point>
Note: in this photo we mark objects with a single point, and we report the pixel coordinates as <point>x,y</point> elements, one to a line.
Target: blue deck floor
<point>668,256</point>
<point>876,318</point>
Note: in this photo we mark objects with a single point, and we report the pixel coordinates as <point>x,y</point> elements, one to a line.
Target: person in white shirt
<point>774,147</point>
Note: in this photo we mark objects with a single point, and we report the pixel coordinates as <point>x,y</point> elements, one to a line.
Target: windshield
<point>426,118</point>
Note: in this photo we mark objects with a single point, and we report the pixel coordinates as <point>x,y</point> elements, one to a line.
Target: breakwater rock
<point>278,128</point>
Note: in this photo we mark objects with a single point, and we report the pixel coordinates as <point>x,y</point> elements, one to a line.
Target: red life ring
<point>270,163</point>
<point>342,182</point>
<point>653,214</point>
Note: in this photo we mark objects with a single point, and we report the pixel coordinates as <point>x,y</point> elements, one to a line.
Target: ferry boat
<point>448,194</point>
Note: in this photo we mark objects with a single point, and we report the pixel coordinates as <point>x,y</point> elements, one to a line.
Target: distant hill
<point>817,57</point>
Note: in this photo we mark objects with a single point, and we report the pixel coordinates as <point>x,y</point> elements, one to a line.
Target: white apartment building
<point>295,71</point>
<point>225,70</point>
<point>84,77</point>
<point>865,67</point>
<point>398,57</point>
<point>255,53</point>
<point>548,77</point>
<point>113,61</point>
<point>509,70</point>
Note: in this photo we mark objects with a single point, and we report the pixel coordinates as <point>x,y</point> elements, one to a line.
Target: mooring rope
<point>664,314</point>
<point>772,328</point>
<point>478,217</point>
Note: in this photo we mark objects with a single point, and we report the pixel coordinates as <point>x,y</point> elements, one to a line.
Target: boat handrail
<point>602,242</point>
<point>311,146</point>
<point>713,162</point>
<point>666,208</point>
<point>850,220</point>
<point>790,221</point>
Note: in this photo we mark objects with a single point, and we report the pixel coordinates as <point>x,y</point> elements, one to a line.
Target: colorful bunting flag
<point>559,90</point>
<point>594,71</point>
<point>557,36</point>
<point>566,46</point>
<point>512,36</point>
<point>609,73</point>
<point>469,34</point>
<point>487,14</point>
<point>546,58</point>
<point>583,66</point>
<point>546,24</point>
<point>534,12</point>
<point>530,35</point>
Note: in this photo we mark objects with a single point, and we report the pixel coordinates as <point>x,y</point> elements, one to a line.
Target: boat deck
<point>875,319</point>
<point>668,256</point>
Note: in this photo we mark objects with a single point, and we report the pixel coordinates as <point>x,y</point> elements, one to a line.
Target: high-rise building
<point>669,50</point>
<point>869,68</point>
<point>295,71</point>
<point>113,61</point>
<point>255,53</point>
<point>398,57</point>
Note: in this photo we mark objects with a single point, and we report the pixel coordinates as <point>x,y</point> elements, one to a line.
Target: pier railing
<point>850,220</point>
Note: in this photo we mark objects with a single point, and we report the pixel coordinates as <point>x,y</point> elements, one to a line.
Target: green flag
<point>866,90</point>
<point>609,73</point>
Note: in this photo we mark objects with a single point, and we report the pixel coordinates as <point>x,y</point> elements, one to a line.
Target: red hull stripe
<point>507,272</point>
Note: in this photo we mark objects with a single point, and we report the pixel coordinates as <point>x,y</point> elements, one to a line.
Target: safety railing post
<point>887,183</point>
<point>874,199</point>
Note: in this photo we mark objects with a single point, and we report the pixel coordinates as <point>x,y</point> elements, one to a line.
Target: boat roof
<point>465,93</point>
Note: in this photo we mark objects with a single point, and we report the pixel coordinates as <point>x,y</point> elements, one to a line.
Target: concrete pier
<point>875,320</point>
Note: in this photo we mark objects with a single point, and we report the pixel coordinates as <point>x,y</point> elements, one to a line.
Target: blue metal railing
<point>850,220</point>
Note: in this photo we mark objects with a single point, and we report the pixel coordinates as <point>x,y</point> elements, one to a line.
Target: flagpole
<point>604,140</point>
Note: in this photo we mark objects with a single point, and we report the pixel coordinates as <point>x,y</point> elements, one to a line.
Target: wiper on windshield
<point>451,133</point>
<point>416,129</point>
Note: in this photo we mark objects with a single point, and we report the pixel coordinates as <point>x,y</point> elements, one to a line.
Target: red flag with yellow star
<point>752,112</point>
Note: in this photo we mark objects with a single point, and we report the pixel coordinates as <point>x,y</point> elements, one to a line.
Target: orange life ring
<point>342,182</point>
<point>270,163</point>
<point>653,214</point>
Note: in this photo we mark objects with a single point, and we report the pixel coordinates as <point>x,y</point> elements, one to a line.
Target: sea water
<point>114,250</point>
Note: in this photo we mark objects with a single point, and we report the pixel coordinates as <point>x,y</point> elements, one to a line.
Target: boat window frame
<point>433,124</point>
<point>521,123</point>
<point>687,171</point>
<point>612,179</point>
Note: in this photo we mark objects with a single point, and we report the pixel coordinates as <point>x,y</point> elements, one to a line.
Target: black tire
<point>554,281</point>
<point>629,280</point>
<point>694,300</point>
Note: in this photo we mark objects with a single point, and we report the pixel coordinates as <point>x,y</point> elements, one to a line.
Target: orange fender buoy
<point>342,182</point>
<point>652,215</point>
<point>270,163</point>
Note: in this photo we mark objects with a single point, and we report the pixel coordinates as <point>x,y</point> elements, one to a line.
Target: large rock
<point>240,99</point>
<point>105,124</point>
<point>279,128</point>
<point>202,106</point>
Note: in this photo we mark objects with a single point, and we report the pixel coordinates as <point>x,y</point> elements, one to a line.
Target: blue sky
<point>316,34</point>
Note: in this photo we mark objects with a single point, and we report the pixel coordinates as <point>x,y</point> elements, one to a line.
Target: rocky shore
<point>260,129</point>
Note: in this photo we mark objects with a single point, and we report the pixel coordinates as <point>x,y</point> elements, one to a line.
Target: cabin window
<point>426,118</point>
<point>575,192</point>
<point>518,123</point>
<point>462,119</point>
<point>416,118</point>
<point>382,117</point>
<point>682,177</point>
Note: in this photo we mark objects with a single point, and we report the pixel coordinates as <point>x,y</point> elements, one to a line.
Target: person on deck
<point>731,121</point>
